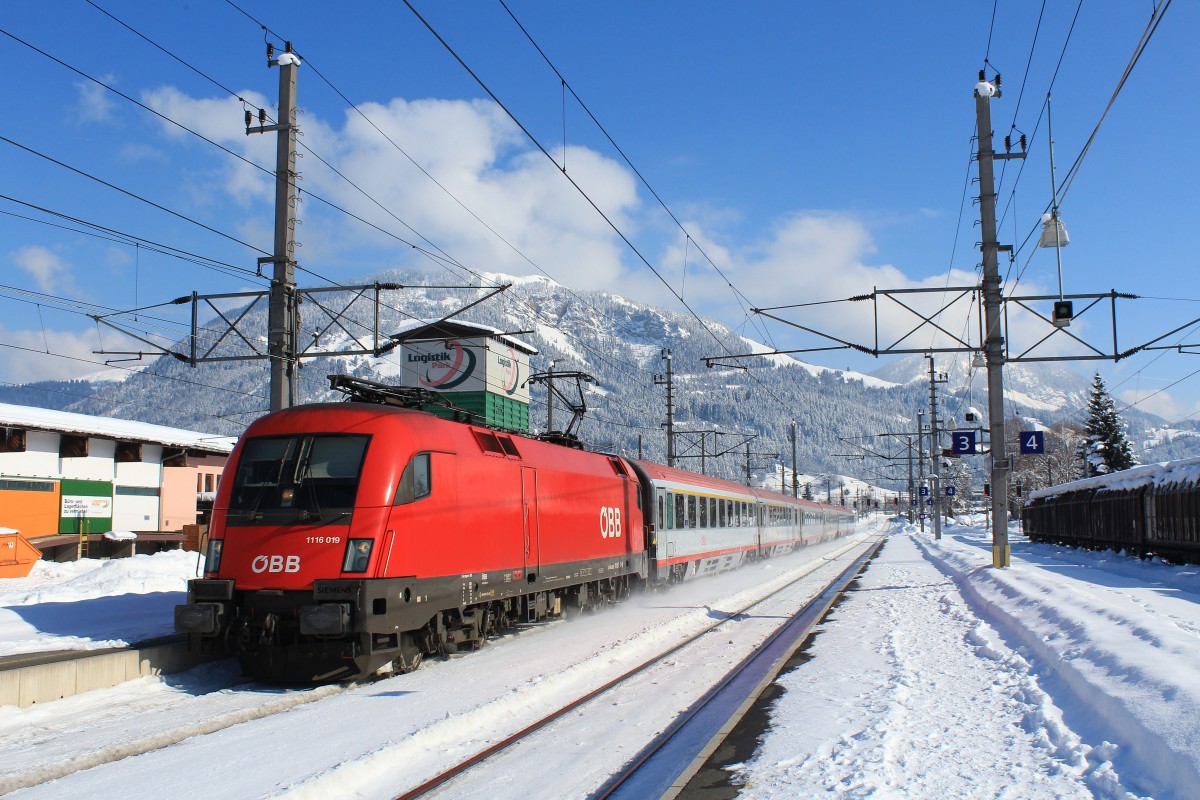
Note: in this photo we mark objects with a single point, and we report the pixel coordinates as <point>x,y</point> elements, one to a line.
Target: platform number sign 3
<point>1033,443</point>
<point>962,442</point>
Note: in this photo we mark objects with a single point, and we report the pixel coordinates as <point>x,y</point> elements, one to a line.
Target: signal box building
<point>76,485</point>
<point>479,369</point>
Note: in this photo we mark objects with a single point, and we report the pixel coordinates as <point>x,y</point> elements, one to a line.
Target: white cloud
<point>1162,404</point>
<point>25,359</point>
<point>51,274</point>
<point>479,158</point>
<point>474,152</point>
<point>95,103</point>
<point>222,121</point>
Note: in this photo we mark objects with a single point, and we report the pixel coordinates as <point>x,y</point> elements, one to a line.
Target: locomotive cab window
<point>416,481</point>
<point>303,479</point>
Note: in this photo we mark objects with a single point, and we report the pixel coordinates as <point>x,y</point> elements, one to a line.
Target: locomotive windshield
<point>305,479</point>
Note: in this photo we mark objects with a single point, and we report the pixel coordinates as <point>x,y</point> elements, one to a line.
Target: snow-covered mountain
<point>1039,389</point>
<point>620,343</point>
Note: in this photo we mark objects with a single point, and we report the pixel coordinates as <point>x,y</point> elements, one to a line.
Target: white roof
<point>1182,471</point>
<point>468,328</point>
<point>43,419</point>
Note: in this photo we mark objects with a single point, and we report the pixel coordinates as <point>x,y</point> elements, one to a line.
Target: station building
<point>80,486</point>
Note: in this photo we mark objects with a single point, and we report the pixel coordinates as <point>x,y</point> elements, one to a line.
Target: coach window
<point>691,511</point>
<point>415,481</point>
<point>703,501</point>
<point>662,517</point>
<point>680,521</point>
<point>722,506</point>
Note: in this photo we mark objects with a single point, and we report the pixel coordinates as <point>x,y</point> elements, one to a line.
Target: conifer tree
<point>1105,447</point>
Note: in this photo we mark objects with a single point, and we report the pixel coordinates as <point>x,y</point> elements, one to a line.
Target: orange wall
<point>32,513</point>
<point>178,498</point>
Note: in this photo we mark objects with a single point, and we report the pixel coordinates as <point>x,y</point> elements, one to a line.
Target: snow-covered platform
<point>1072,674</point>
<point>93,604</point>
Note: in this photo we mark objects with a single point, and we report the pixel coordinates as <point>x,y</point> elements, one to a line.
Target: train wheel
<point>410,656</point>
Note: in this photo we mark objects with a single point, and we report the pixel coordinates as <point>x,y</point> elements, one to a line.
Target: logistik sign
<point>510,372</point>
<point>444,370</point>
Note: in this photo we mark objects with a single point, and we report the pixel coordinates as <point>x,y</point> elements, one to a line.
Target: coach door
<point>529,520</point>
<point>664,524</point>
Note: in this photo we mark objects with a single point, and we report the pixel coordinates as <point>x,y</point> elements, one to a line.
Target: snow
<point>93,604</point>
<point>1069,675</point>
<point>561,343</point>
<point>783,360</point>
<point>15,416</point>
<point>1185,471</point>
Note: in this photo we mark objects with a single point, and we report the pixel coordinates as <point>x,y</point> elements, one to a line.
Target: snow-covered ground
<point>92,604</point>
<point>1071,674</point>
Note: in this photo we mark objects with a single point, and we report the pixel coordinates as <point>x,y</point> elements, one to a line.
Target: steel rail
<point>708,720</point>
<point>462,767</point>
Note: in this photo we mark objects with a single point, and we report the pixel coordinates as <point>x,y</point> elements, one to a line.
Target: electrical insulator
<point>1007,144</point>
<point>287,46</point>
<point>270,51</point>
<point>262,116</point>
<point>982,76</point>
<point>1022,143</point>
<point>997,81</point>
<point>249,117</point>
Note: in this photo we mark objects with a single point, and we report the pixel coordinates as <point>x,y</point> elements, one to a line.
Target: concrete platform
<point>40,677</point>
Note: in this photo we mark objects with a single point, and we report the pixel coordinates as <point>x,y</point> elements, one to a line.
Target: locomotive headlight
<point>212,562</point>
<point>358,554</point>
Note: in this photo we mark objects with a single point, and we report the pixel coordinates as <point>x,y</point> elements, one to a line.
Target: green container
<point>487,408</point>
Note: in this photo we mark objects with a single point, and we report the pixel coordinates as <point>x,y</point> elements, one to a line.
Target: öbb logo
<point>262,564</point>
<point>610,522</point>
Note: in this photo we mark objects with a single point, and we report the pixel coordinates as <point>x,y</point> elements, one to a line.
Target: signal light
<point>987,490</point>
<point>1064,312</point>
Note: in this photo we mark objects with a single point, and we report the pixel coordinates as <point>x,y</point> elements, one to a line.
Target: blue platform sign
<point>1033,443</point>
<point>913,501</point>
<point>923,491</point>
<point>962,442</point>
<point>950,491</point>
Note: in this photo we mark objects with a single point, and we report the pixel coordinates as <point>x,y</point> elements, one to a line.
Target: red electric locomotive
<point>349,538</point>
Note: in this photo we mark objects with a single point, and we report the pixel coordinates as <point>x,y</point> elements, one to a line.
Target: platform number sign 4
<point>962,442</point>
<point>1033,443</point>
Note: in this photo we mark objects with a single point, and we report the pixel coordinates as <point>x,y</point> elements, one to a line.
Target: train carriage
<point>1147,510</point>
<point>703,525</point>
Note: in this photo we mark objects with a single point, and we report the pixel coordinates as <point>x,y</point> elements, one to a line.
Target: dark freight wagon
<point>1151,510</point>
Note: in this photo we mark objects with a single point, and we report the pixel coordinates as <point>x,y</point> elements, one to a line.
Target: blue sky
<point>813,151</point>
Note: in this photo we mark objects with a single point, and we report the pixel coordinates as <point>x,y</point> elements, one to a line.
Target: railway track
<point>674,755</point>
<point>135,726</point>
